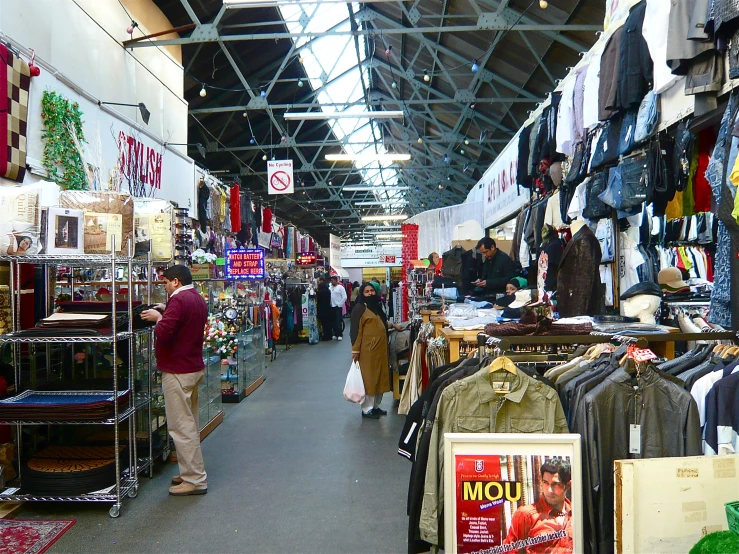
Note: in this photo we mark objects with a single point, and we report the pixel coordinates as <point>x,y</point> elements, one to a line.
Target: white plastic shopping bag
<point>354,388</point>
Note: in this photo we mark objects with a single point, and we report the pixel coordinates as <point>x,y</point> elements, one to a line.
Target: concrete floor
<point>293,468</point>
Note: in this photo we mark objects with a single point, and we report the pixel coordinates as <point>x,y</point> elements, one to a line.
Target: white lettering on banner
<point>140,164</point>
<point>504,197</point>
<point>280,177</point>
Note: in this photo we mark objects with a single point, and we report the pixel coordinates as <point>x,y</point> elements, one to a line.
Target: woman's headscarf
<point>371,302</point>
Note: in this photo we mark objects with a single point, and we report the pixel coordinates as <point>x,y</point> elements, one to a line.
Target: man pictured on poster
<point>550,515</point>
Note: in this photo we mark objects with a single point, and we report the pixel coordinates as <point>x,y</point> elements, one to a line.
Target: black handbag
<point>595,208</point>
<point>682,155</point>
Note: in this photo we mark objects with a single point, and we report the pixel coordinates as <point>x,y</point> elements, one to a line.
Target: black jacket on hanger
<point>579,290</point>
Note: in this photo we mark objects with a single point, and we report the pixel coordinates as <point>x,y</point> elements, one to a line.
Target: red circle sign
<point>279,181</point>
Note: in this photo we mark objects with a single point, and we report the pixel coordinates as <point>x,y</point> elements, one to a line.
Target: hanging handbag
<point>626,139</point>
<point>276,240</point>
<point>683,155</point>
<point>595,208</point>
<point>647,118</point>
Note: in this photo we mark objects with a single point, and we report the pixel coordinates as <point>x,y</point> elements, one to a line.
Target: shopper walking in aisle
<point>355,294</point>
<point>179,352</point>
<point>324,311</point>
<point>497,269</point>
<point>369,348</point>
<point>338,298</point>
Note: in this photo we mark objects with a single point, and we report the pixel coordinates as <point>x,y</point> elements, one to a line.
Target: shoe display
<point>371,414</point>
<point>187,489</point>
<point>378,411</point>
<point>176,480</point>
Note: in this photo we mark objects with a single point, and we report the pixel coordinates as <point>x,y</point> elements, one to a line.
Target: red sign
<point>245,263</point>
<point>387,259</point>
<point>139,163</point>
<point>306,259</point>
<point>479,515</point>
<point>280,180</point>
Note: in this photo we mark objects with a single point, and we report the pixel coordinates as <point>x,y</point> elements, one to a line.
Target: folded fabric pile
<point>70,470</point>
<point>62,406</point>
<point>510,329</point>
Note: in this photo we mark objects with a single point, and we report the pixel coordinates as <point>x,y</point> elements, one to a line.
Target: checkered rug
<point>13,114</point>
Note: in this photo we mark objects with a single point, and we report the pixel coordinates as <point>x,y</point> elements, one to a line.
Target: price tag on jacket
<point>634,439</point>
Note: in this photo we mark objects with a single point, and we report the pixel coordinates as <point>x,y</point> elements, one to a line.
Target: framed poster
<point>507,492</point>
<point>65,232</point>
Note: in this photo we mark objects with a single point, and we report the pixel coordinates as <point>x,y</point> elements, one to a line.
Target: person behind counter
<point>497,270</point>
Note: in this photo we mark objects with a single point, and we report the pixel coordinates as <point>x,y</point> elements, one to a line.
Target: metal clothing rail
<point>642,342</point>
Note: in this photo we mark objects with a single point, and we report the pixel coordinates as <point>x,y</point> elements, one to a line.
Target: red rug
<point>30,537</point>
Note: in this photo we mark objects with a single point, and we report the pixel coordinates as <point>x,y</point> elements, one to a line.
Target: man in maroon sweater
<point>179,351</point>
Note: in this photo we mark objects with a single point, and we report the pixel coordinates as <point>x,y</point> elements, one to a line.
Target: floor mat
<point>30,537</point>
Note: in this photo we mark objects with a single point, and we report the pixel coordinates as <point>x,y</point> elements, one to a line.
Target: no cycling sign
<point>280,177</point>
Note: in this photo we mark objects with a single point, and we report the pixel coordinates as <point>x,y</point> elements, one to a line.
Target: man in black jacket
<point>497,269</point>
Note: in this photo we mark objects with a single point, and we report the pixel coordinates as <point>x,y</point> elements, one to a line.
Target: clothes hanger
<point>503,363</point>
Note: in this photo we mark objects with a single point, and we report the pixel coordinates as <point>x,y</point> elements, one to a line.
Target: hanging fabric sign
<point>280,177</point>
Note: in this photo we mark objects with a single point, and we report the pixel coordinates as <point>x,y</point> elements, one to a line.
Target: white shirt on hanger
<point>552,215</point>
<point>566,119</point>
<point>590,94</point>
<point>629,260</point>
<point>577,204</point>
<point>654,30</point>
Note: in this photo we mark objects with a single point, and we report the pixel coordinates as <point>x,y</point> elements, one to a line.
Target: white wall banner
<point>334,251</point>
<point>280,177</point>
<point>502,196</point>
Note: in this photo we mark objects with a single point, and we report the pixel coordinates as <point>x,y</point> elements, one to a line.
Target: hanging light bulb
<point>543,4</point>
<point>474,67</point>
<point>441,187</point>
<point>394,85</point>
<point>472,106</point>
<point>283,139</point>
<point>420,140</point>
<point>426,76</point>
<point>244,114</point>
<point>252,140</point>
<point>446,159</point>
<point>389,50</point>
<point>264,158</point>
<point>300,59</point>
<point>300,82</point>
<point>461,151</point>
<point>330,183</point>
<point>263,93</point>
<point>131,27</point>
<point>203,92</point>
<point>273,157</point>
<point>466,141</point>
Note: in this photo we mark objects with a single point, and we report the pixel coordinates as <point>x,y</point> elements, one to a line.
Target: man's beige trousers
<point>181,407</point>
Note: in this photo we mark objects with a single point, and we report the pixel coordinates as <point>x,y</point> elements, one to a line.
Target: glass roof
<point>334,60</point>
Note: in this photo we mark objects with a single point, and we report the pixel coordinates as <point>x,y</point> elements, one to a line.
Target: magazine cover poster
<point>513,503</point>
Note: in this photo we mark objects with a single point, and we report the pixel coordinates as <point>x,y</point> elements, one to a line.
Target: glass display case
<point>235,335</point>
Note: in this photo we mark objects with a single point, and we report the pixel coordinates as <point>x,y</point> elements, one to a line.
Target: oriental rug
<point>30,537</point>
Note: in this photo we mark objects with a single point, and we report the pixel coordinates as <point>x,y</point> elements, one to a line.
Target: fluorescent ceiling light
<point>377,114</point>
<point>384,228</point>
<point>393,236</point>
<point>359,188</point>
<point>395,217</point>
<point>381,203</point>
<point>367,157</point>
<point>392,244</point>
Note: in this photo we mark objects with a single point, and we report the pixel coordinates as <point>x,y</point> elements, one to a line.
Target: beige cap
<point>671,279</point>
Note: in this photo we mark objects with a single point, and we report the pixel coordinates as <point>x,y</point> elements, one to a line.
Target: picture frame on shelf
<point>65,232</point>
<point>495,482</point>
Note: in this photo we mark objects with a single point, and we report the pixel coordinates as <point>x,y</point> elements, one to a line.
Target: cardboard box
<point>201,272</point>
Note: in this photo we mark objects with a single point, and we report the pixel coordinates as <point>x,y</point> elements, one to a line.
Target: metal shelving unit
<point>126,483</point>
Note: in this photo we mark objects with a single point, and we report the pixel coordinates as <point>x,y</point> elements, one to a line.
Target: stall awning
<point>340,271</point>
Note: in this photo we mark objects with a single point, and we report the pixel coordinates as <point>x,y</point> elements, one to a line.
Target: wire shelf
<point>141,402</point>
<point>72,259</point>
<point>126,486</point>
<point>74,339</point>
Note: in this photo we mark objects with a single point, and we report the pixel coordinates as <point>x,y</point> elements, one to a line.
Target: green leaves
<point>62,159</point>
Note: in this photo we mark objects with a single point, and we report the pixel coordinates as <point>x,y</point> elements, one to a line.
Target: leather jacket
<point>669,427</point>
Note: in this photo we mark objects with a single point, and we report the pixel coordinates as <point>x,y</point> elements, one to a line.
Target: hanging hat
<point>647,287</point>
<point>671,280</point>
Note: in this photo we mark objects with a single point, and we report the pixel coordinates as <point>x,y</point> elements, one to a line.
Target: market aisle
<point>294,468</point>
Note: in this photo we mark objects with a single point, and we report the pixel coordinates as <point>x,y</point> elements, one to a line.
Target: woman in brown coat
<point>369,348</point>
